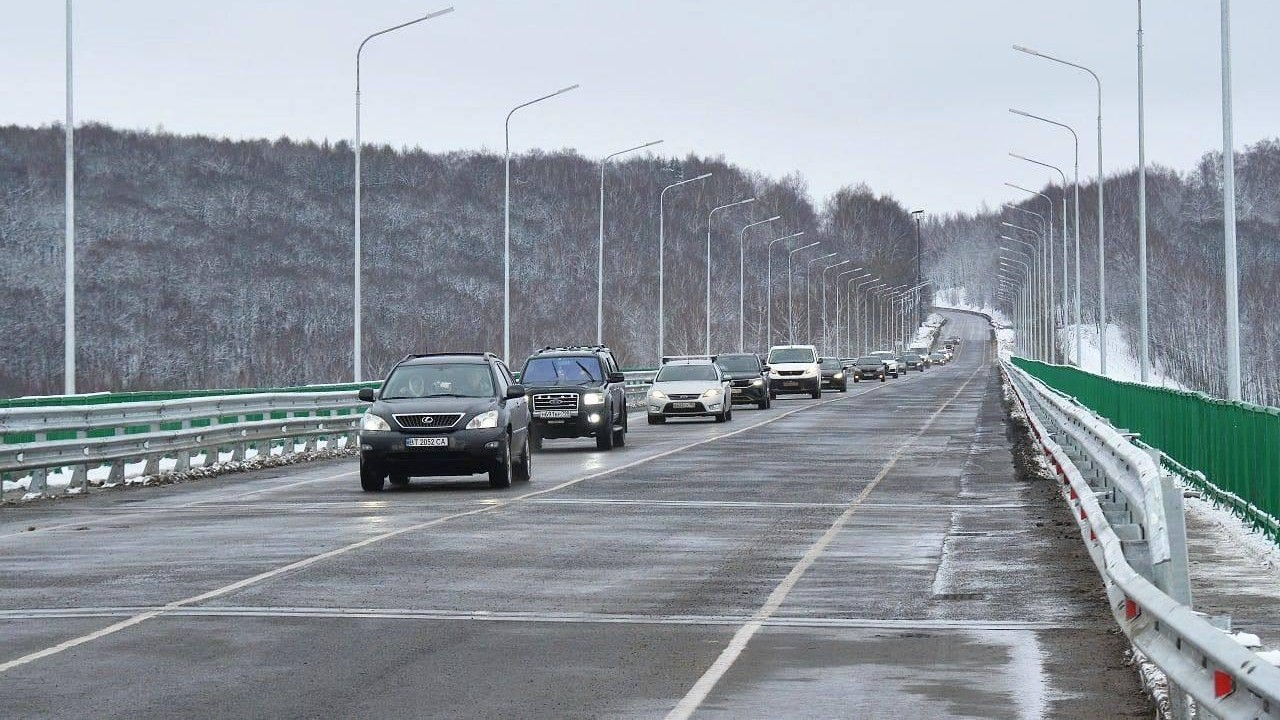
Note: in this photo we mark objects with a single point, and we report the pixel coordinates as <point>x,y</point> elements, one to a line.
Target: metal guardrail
<point>1151,607</point>
<point>76,438</point>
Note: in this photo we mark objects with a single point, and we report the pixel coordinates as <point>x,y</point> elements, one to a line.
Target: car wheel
<point>620,435</point>
<point>881,378</point>
<point>524,469</point>
<point>722,416</point>
<point>535,440</point>
<point>371,479</point>
<point>855,379</point>
<point>399,480</point>
<point>656,419</point>
<point>604,438</point>
<point>816,394</point>
<point>500,474</point>
<point>763,404</point>
<point>773,395</point>
<point>728,414</point>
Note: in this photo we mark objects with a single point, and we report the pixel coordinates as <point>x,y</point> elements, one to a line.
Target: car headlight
<point>657,394</point>
<point>484,421</point>
<point>593,398</point>
<point>373,422</point>
<point>809,373</point>
<point>757,382</point>
<point>838,375</point>
<point>713,392</point>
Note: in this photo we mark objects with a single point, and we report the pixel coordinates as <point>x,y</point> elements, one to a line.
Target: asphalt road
<point>872,554</point>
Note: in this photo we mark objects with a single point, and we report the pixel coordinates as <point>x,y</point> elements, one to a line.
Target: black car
<point>914,362</point>
<point>834,376</point>
<point>576,392</point>
<point>749,377</point>
<point>870,367</point>
<point>445,414</point>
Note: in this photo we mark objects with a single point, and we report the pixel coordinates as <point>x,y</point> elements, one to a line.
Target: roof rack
<point>415,356</point>
<point>575,348</point>
<point>668,358</point>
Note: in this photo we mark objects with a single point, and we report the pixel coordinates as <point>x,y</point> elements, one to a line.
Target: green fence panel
<point>1235,445</point>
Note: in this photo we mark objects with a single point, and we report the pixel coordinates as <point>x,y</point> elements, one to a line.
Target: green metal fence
<point>158,395</point>
<point>1230,450</point>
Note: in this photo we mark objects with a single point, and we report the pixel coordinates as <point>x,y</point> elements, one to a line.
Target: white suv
<point>795,369</point>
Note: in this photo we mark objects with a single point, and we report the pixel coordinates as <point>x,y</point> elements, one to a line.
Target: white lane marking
<point>303,563</point>
<point>338,613</point>
<point>705,684</point>
<point>689,503</point>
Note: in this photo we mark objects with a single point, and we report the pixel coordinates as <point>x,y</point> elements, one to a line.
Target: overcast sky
<point>908,96</point>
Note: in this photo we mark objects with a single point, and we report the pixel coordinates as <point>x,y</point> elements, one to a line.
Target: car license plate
<point>791,383</point>
<point>553,414</point>
<point>427,442</point>
<point>684,405</point>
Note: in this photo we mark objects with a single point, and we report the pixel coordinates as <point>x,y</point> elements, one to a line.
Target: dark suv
<point>445,414</point>
<point>576,392</point>
<point>749,377</point>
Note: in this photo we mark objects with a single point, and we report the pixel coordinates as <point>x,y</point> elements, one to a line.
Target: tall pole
<point>1144,355</point>
<point>356,342</point>
<point>742,277</point>
<point>840,276</point>
<point>600,259</point>
<point>866,341</point>
<point>710,215</point>
<point>506,222</point>
<point>1229,214</point>
<point>1048,287</point>
<point>808,295</point>
<point>1066,263</point>
<point>69,249</point>
<point>822,290</point>
<point>768,282</point>
<point>791,320</point>
<point>1076,138</point>
<point>662,244</point>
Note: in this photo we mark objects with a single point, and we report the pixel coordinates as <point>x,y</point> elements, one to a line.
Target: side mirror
<point>367,394</point>
<point>514,392</point>
<point>766,368</point>
<point>617,377</point>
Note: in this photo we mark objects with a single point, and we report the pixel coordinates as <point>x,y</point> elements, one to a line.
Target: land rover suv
<point>445,414</point>
<point>576,392</point>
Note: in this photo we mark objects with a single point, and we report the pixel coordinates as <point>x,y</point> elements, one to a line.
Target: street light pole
<point>1144,353</point>
<point>822,290</point>
<point>662,243</point>
<point>791,320</point>
<point>69,243</point>
<point>1037,337</point>
<point>1076,139</point>
<point>808,295</point>
<point>768,282</point>
<point>709,216</point>
<point>356,286</point>
<point>1102,221</point>
<point>866,337</point>
<point>1065,257</point>
<point>840,276</point>
<point>1050,341</point>
<point>1229,214</point>
<point>742,278</point>
<point>600,260</point>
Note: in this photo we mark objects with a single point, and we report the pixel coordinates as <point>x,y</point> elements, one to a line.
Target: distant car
<point>833,375</point>
<point>914,362</point>
<point>748,377</point>
<point>576,392</point>
<point>890,362</point>
<point>689,387</point>
<point>870,367</point>
<point>938,358</point>
<point>445,414</point>
<point>795,369</point>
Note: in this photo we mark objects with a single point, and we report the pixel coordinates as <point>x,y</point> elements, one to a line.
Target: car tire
<point>501,472</point>
<point>722,416</point>
<point>763,404</point>
<point>604,438</point>
<point>620,435</point>
<point>882,378</point>
<point>656,420</point>
<point>844,387</point>
<point>728,414</point>
<point>535,441</point>
<point>371,479</point>
<point>399,481</point>
<point>773,395</point>
<point>816,394</point>
<point>524,469</point>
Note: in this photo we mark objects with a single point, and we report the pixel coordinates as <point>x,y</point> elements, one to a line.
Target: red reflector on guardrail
<point>1223,684</point>
<point>1093,536</point>
<point>1082,515</point>
<point>1131,609</point>
<point>1074,496</point>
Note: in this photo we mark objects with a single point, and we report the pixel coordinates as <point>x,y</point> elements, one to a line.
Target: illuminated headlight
<point>809,372</point>
<point>656,394</point>
<point>373,422</point>
<point>593,398</point>
<point>838,375</point>
<point>757,382</point>
<point>593,418</point>
<point>712,393</point>
<point>484,421</point>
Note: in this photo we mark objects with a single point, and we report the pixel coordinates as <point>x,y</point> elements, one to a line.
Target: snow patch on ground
<point>1122,361</point>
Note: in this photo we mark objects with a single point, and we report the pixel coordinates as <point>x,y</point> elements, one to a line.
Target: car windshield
<point>791,355</point>
<point>439,380</point>
<point>562,371</point>
<point>869,361</point>
<point>831,364</point>
<point>678,373</point>
<point>738,363</point>
<point>912,357</point>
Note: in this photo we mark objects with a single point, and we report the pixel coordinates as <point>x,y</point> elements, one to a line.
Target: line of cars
<point>465,413</point>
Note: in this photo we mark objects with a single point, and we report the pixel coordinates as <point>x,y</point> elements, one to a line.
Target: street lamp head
<point>917,213</point>
<point>438,13</point>
<point>561,91</point>
<point>1027,50</point>
<point>1023,113</point>
<point>775,217</point>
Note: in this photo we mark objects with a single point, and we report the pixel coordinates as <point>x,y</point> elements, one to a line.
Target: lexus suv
<point>748,376</point>
<point>576,392</point>
<point>795,369</point>
<point>689,387</point>
<point>445,414</point>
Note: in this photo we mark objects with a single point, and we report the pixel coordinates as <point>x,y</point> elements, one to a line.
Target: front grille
<point>684,397</point>
<point>742,383</point>
<point>556,401</point>
<point>790,373</point>
<point>428,421</point>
